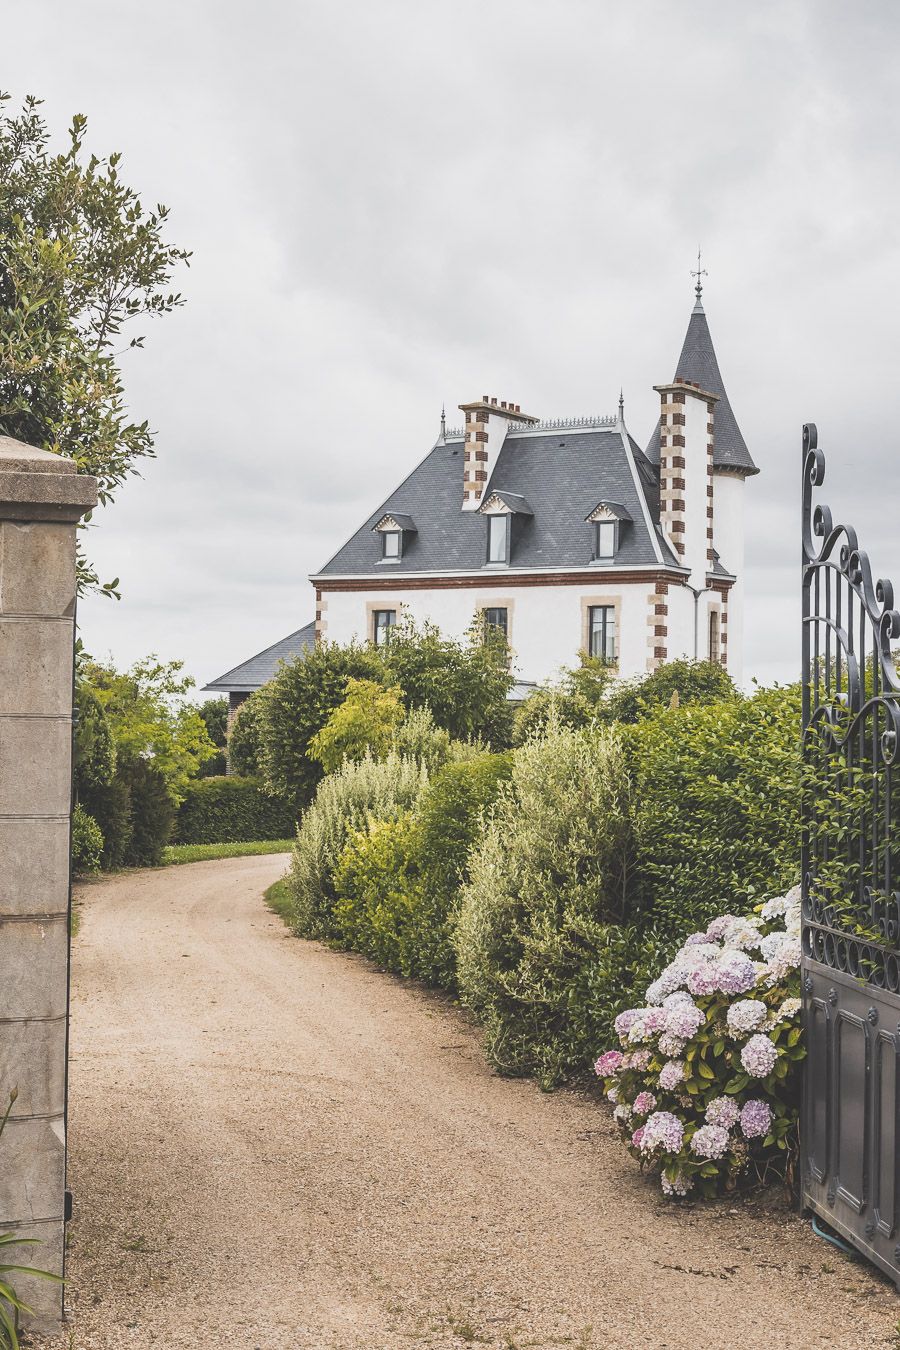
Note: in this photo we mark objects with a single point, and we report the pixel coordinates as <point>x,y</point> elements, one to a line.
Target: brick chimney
<point>487,423</point>
<point>686,473</point>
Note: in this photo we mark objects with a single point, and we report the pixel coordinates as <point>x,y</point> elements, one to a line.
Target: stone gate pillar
<point>41,500</point>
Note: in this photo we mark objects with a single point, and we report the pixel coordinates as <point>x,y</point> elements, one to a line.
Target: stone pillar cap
<point>35,484</point>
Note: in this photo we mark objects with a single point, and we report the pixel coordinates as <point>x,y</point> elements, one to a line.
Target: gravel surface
<point>275,1146</point>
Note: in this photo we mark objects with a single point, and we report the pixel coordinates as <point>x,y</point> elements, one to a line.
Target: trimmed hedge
<point>232,810</point>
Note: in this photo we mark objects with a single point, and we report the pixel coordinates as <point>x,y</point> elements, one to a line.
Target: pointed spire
<point>443,423</point>
<point>698,289</point>
<point>621,408</point>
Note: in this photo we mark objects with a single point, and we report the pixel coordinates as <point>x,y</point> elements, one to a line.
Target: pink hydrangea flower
<point>710,1141</point>
<point>684,1020</point>
<point>637,1136</point>
<point>608,1062</point>
<point>746,1015</point>
<point>759,1056</point>
<point>671,1074</point>
<point>680,1185</point>
<point>722,1111</point>
<point>662,1131</point>
<point>643,1103</point>
<point>756,1119</point>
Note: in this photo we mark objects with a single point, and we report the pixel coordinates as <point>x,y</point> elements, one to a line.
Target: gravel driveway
<point>273,1146</point>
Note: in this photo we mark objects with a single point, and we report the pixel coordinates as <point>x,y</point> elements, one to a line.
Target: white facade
<point>547,623</point>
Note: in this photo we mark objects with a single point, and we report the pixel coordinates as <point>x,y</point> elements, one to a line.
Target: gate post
<point>41,500</point>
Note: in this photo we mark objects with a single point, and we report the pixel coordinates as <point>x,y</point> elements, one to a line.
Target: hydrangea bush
<point>705,1088</point>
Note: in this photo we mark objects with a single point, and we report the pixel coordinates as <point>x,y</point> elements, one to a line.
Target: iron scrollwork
<point>851,744</point>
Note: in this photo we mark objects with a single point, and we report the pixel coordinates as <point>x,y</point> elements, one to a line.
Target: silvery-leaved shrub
<point>705,1086</point>
<point>538,936</point>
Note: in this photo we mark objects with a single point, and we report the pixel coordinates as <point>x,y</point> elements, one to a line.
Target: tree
<point>214,715</point>
<point>245,748</point>
<point>364,723</point>
<point>80,260</point>
<point>150,720</point>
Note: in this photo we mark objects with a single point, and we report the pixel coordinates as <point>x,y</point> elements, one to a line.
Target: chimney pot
<point>494,402</point>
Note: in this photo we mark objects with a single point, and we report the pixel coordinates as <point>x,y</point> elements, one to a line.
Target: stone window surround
<point>589,602</point>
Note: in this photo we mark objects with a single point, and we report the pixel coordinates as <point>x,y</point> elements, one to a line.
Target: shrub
<point>152,812</point>
<point>245,750</point>
<point>297,704</point>
<point>538,943</point>
<point>576,700</point>
<point>706,1085</point>
<point>228,810</point>
<point>398,880</point>
<point>87,843</point>
<point>692,681</point>
<point>110,806</point>
<point>346,800</point>
<point>716,806</point>
<point>364,723</point>
<point>214,715</point>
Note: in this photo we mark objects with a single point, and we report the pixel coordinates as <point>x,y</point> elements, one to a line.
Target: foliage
<point>94,750</point>
<point>575,700</point>
<point>706,1085</point>
<point>87,843</point>
<point>417,737</point>
<point>364,723</point>
<point>590,693</point>
<point>398,880</point>
<point>687,682</point>
<point>346,800</point>
<point>149,718</point>
<point>463,682</point>
<point>297,704</point>
<point>80,260</point>
<point>110,806</point>
<point>214,715</point>
<point>232,810</point>
<point>11,1304</point>
<point>716,806</point>
<point>538,940</point>
<point>245,753</point>
<point>151,810</point>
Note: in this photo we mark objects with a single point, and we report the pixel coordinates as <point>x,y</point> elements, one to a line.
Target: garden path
<point>276,1146</point>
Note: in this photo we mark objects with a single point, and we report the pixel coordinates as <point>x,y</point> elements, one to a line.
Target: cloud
<point>396,205</point>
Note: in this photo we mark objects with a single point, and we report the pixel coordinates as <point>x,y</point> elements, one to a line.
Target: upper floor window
<point>606,539</point>
<point>383,620</point>
<point>391,543</point>
<point>397,533</point>
<point>498,539</point>
<point>497,618</point>
<point>715,652</point>
<point>602,632</point>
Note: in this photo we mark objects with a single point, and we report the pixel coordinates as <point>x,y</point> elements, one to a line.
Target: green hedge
<point>232,810</point>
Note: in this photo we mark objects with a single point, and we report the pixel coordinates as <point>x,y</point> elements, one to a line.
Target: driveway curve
<point>275,1146</point>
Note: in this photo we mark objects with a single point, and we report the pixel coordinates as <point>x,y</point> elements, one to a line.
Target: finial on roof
<point>443,422</point>
<point>622,407</point>
<point>698,289</point>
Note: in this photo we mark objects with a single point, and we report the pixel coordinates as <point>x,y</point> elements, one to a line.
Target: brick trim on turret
<point>657,625</point>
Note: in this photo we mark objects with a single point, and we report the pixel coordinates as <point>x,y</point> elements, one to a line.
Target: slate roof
<point>698,362</point>
<point>562,474</point>
<point>256,672</point>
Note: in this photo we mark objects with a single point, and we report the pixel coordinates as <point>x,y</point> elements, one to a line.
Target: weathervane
<point>700,272</point>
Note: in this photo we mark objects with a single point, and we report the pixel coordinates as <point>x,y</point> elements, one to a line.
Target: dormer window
<point>606,540</point>
<point>506,512</point>
<point>608,520</point>
<point>396,532</point>
<point>498,539</point>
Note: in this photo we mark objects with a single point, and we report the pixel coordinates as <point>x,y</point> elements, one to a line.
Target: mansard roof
<point>263,667</point>
<point>560,472</point>
<point>698,363</point>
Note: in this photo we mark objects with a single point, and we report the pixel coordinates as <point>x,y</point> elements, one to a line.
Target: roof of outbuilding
<point>562,474</point>
<point>698,363</point>
<point>256,672</point>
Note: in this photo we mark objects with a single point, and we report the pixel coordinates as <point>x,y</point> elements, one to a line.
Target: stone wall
<point>41,500</point>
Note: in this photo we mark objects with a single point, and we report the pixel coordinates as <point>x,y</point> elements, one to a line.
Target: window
<point>714,646</point>
<point>390,544</point>
<point>602,632</point>
<point>383,621</point>
<point>498,539</point>
<point>606,539</point>
<point>497,618</point>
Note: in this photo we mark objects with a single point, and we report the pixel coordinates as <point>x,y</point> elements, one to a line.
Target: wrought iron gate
<point>850,874</point>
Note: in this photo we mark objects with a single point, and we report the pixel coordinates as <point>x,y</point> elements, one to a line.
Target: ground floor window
<point>497,618</point>
<point>602,632</point>
<point>715,647</point>
<point>383,620</point>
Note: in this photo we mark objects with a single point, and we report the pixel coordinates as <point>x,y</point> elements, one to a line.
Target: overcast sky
<point>398,203</point>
